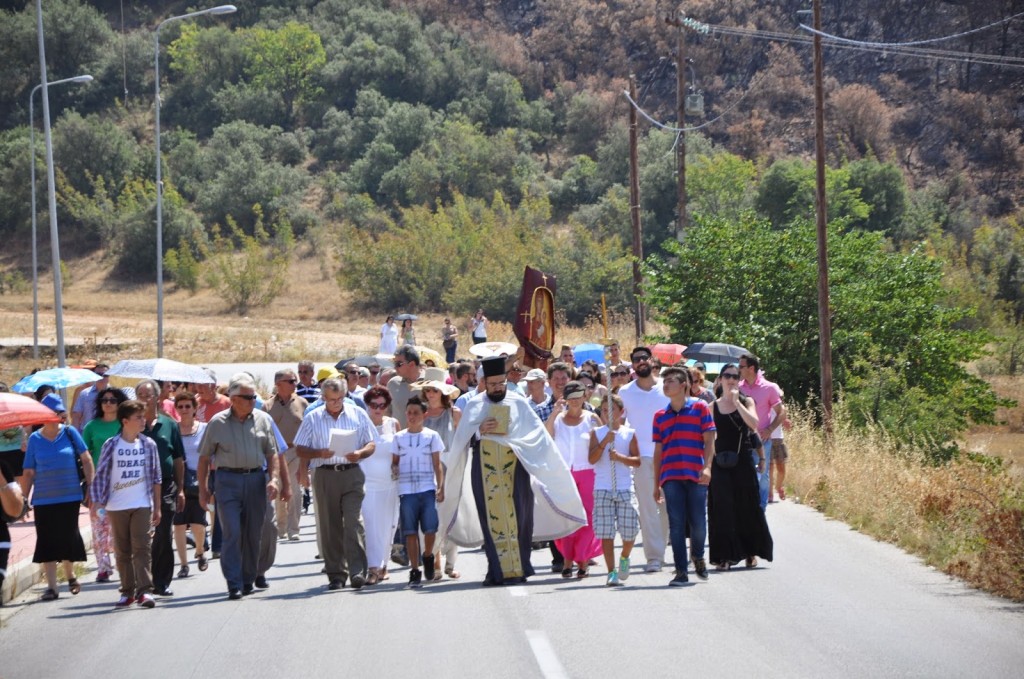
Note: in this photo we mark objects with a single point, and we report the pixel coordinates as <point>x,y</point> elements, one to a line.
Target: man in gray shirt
<point>243,441</point>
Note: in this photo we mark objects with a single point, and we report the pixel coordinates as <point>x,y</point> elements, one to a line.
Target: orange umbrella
<point>22,411</point>
<point>668,354</point>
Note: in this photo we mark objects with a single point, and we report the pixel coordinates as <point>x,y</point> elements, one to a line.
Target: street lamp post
<point>32,165</point>
<point>220,9</point>
<point>51,186</point>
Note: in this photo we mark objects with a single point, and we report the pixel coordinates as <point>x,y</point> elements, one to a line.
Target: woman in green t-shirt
<point>103,426</point>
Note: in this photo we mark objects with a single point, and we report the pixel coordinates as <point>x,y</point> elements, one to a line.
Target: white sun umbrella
<point>163,369</point>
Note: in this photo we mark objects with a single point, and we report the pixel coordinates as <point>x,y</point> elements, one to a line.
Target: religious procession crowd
<point>405,464</point>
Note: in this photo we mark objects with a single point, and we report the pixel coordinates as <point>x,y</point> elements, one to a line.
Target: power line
<point>834,42</point>
<point>954,36</point>
<point>920,52</point>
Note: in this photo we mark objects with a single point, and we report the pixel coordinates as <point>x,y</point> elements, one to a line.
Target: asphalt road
<point>833,603</point>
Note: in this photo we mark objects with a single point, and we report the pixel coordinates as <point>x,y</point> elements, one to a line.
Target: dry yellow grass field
<point>313,319</point>
<point>965,518</point>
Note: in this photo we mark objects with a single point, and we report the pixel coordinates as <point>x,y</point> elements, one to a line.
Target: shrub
<point>249,271</point>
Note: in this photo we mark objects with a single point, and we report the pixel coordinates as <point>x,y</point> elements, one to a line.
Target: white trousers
<point>380,518</point>
<point>653,516</point>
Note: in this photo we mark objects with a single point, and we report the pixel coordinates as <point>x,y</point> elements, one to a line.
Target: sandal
<point>373,578</point>
<point>49,595</point>
<point>723,566</point>
<point>183,571</point>
<point>201,562</point>
<point>450,571</point>
<point>73,586</point>
<point>582,573</point>
<point>567,572</point>
<point>752,562</point>
<point>782,493</point>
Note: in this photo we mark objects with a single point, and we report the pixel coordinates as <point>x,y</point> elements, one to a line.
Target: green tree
<point>720,185</point>
<point>96,146</point>
<point>786,193</point>
<point>747,283</point>
<point>883,188</point>
<point>287,60</point>
<point>243,165</point>
<point>207,65</point>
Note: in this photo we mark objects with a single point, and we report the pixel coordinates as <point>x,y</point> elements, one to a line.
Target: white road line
<point>550,667</point>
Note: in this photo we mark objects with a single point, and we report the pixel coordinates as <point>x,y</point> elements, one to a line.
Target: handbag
<point>81,473</point>
<point>727,459</point>
<point>191,482</point>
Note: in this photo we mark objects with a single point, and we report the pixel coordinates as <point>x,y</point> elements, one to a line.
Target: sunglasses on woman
<point>730,376</point>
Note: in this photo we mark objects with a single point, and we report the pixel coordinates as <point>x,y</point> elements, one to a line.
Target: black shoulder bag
<point>81,470</point>
<point>728,459</point>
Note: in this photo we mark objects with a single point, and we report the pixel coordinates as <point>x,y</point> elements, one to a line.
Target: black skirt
<point>57,534</point>
<point>193,514</point>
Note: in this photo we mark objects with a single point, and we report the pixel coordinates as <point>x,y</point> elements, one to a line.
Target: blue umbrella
<point>589,351</point>
<point>58,378</point>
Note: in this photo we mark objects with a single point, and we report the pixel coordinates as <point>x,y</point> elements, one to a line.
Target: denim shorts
<point>418,511</point>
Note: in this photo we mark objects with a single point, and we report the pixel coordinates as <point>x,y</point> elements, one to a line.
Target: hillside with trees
<point>420,152</point>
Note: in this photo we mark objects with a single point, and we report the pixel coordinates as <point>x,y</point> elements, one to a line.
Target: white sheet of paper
<point>343,441</point>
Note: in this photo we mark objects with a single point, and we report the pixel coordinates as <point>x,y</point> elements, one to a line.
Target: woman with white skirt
<point>380,501</point>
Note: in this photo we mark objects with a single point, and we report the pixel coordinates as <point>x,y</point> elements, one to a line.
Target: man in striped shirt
<point>307,388</point>
<point>338,482</point>
<point>684,447</point>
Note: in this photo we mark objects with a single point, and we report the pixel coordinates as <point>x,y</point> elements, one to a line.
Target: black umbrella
<point>714,352</point>
<point>406,317</point>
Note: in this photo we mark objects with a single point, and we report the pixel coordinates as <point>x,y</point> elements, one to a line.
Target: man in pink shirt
<point>767,398</point>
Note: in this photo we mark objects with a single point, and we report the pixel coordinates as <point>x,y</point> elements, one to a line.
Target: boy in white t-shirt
<point>126,488</point>
<point>614,453</point>
<point>416,463</point>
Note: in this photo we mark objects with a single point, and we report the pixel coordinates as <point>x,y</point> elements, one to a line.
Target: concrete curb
<point>24,575</point>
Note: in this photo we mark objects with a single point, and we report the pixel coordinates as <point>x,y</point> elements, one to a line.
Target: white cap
<point>535,374</point>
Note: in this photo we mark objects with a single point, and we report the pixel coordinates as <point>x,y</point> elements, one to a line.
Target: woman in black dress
<point>737,529</point>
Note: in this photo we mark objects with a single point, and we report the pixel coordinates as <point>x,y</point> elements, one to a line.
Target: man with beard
<point>643,398</point>
<point>502,515</point>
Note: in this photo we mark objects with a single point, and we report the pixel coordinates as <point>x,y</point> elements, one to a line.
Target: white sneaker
<point>623,568</point>
<point>653,566</point>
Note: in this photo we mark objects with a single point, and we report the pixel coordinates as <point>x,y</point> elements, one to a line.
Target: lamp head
<point>82,79</point>
<point>223,9</point>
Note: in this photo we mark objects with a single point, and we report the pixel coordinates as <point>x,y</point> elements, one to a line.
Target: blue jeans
<point>763,480</point>
<point>418,511</point>
<point>241,507</point>
<point>686,503</point>
<point>449,352</point>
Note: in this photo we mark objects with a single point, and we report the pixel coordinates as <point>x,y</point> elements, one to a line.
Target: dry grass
<point>965,518</point>
<point>108,321</point>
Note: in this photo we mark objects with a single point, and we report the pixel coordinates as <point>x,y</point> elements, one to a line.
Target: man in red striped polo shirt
<point>684,447</point>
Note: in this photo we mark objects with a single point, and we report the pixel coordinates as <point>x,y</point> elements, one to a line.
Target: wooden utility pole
<point>681,123</point>
<point>824,312</point>
<point>634,213</point>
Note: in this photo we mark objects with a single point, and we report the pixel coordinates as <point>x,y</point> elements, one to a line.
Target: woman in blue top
<point>51,468</point>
